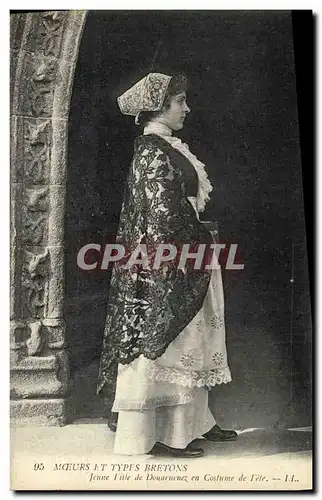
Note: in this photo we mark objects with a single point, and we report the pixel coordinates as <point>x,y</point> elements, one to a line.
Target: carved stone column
<point>44,50</point>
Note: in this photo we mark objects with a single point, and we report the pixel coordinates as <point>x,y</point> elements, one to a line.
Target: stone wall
<point>44,51</point>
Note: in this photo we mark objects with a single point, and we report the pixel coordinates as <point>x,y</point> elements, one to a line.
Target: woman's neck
<point>157,128</point>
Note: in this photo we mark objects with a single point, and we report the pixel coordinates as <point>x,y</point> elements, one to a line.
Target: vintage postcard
<point>161,324</point>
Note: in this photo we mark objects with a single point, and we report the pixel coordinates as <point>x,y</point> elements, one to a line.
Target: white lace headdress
<point>146,95</point>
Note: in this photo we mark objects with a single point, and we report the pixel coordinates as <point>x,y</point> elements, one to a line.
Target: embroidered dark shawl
<point>148,309</point>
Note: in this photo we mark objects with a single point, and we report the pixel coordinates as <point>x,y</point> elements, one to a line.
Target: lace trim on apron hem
<point>208,378</point>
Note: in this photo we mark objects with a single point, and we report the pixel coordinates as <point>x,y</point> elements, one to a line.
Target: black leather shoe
<point>188,452</point>
<point>219,434</point>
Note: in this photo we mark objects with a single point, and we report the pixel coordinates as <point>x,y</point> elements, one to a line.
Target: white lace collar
<point>157,128</point>
<point>204,185</point>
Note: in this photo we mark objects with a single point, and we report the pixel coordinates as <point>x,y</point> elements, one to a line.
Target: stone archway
<point>44,51</point>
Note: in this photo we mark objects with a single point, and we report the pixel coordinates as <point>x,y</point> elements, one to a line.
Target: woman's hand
<point>212,227</point>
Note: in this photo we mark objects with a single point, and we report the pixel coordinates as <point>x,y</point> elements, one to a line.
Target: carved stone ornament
<point>42,85</point>
<point>34,279</point>
<point>37,151</point>
<point>35,216</point>
<point>35,341</point>
<point>17,334</point>
<point>32,336</point>
<point>51,29</point>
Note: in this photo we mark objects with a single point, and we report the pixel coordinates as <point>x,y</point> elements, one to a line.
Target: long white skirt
<point>175,426</point>
<point>166,400</point>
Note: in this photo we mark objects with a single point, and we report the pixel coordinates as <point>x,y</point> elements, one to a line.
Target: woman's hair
<point>177,84</point>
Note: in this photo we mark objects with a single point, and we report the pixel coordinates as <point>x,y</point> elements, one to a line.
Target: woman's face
<point>174,116</point>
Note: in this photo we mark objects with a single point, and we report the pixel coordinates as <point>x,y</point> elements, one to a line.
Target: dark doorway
<point>243,126</point>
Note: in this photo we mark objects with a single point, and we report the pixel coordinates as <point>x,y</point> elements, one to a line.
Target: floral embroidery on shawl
<point>148,309</point>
